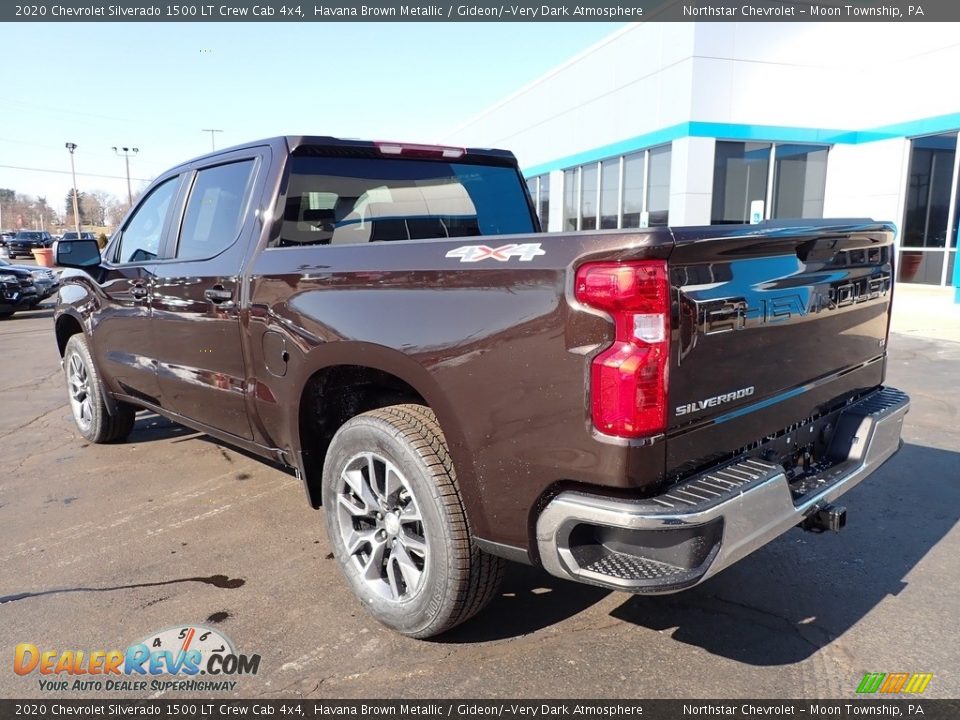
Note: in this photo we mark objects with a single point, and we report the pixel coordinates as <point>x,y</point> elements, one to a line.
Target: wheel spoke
<point>412,542</point>
<point>392,485</point>
<point>348,503</point>
<point>373,567</point>
<point>361,488</point>
<point>410,513</point>
<point>354,540</point>
<point>392,578</point>
<point>410,572</point>
<point>373,479</point>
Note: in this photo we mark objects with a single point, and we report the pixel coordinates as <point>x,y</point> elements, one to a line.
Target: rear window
<point>346,201</point>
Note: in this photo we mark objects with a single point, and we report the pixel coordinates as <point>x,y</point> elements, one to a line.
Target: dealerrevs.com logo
<point>172,659</point>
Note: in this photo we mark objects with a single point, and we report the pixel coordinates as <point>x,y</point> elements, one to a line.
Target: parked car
<point>24,242</point>
<point>45,280</point>
<point>17,291</point>
<point>72,235</point>
<point>634,409</point>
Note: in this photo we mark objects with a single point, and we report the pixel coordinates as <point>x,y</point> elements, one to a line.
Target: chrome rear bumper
<point>703,525</point>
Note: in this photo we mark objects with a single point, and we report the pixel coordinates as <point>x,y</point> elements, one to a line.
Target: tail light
<point>628,380</point>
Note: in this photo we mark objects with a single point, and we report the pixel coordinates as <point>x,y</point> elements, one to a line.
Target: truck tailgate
<point>774,324</point>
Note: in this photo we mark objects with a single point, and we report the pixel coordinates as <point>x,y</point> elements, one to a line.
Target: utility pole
<point>213,145</point>
<point>76,206</point>
<point>126,152</point>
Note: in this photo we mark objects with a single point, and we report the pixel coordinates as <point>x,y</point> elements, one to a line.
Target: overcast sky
<point>154,86</point>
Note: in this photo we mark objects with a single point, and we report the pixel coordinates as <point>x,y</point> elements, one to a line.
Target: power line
<point>51,148</point>
<point>67,172</point>
<point>47,110</point>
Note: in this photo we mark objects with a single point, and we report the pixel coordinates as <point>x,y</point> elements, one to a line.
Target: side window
<point>215,210</point>
<point>141,237</point>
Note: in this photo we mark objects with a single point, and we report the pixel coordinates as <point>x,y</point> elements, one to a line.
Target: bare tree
<point>116,210</point>
<point>104,200</point>
<point>91,210</point>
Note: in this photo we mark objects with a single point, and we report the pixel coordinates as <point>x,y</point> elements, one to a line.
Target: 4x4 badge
<point>475,253</point>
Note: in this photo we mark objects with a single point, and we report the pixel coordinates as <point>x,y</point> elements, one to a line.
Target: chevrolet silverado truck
<point>636,409</point>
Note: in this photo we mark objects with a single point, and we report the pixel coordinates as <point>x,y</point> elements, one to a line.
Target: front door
<point>124,348</point>
<point>196,300</point>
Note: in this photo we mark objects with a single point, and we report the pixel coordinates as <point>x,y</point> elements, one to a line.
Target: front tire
<point>397,525</point>
<point>87,402</point>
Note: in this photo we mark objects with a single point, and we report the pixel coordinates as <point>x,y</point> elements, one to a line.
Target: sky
<point>156,86</point>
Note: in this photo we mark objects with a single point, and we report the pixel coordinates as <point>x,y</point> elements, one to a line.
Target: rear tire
<point>6,314</point>
<point>397,525</point>
<point>87,401</point>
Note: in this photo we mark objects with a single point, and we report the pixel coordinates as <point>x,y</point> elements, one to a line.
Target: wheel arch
<point>66,326</point>
<point>345,381</point>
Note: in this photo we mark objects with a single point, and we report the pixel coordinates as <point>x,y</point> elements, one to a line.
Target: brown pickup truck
<point>636,409</point>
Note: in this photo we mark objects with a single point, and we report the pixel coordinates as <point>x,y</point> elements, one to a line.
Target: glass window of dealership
<point>928,241</point>
<point>785,179</point>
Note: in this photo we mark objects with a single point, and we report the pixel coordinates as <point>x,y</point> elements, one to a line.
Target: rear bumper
<point>703,525</point>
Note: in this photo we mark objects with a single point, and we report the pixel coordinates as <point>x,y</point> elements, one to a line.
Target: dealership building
<point>709,122</point>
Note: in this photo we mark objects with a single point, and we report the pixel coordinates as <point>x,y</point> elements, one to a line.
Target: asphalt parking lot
<point>102,546</point>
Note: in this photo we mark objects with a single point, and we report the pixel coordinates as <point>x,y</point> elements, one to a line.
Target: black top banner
<point>207,708</point>
<point>479,11</point>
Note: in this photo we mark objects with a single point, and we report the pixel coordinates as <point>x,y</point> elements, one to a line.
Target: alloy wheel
<point>78,383</point>
<point>381,526</point>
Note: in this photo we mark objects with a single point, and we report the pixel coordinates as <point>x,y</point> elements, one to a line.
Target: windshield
<point>340,201</point>
<point>29,236</point>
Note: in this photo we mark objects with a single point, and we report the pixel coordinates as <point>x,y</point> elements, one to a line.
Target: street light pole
<point>127,152</point>
<point>76,206</point>
<point>213,145</point>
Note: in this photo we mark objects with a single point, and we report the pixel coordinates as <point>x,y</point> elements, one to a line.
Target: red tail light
<point>628,380</point>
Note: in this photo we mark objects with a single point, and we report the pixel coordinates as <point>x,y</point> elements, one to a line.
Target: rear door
<point>197,295</point>
<point>767,314</point>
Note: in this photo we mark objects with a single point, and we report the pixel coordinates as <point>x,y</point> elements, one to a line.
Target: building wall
<point>691,181</point>
<point>649,77</point>
<point>867,180</point>
<point>634,82</point>
<point>865,90</point>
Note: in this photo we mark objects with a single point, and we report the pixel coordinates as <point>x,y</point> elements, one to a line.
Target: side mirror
<point>82,254</point>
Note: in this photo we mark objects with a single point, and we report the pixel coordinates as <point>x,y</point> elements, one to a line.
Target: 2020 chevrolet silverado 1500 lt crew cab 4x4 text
<point>636,409</point>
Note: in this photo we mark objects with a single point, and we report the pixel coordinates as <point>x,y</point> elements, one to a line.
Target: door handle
<point>138,292</point>
<point>217,294</point>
